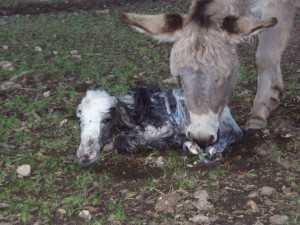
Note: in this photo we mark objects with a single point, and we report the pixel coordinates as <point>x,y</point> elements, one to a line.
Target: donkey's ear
<point>240,27</point>
<point>164,27</point>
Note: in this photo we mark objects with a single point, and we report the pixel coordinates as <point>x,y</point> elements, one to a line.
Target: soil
<point>246,167</point>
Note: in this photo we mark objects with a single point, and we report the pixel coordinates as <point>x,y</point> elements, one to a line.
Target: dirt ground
<point>255,182</point>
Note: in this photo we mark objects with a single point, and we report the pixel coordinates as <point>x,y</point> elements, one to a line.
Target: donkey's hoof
<point>255,124</point>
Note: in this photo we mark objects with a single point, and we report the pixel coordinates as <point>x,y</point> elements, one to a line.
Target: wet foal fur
<point>204,55</point>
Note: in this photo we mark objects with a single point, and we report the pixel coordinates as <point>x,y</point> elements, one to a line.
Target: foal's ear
<point>163,27</point>
<point>241,27</point>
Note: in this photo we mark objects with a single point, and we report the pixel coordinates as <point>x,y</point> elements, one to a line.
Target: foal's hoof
<point>256,124</point>
<point>172,80</point>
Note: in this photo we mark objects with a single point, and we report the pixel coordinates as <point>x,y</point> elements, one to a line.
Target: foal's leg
<point>272,42</point>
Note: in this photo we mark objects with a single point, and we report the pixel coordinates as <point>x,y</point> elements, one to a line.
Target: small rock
<point>123,191</point>
<point>55,52</point>
<point>5,47</point>
<point>74,52</point>
<point>90,208</point>
<point>201,194</point>
<point>285,134</point>
<point>258,223</point>
<point>253,206</point>
<point>160,162</point>
<point>24,171</point>
<point>47,94</point>
<point>267,191</point>
<point>76,56</point>
<point>4,205</point>
<point>131,194</point>
<point>203,203</point>
<point>3,22</point>
<point>62,211</point>
<point>9,86</point>
<point>166,203</point>
<point>199,219</point>
<point>6,65</point>
<point>279,219</point>
<point>278,179</point>
<point>85,214</point>
<point>253,195</point>
<point>102,12</point>
<point>189,165</point>
<point>269,203</point>
<point>266,132</point>
<point>63,122</point>
<point>37,49</point>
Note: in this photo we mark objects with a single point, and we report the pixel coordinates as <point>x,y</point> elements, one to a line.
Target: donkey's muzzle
<point>203,140</point>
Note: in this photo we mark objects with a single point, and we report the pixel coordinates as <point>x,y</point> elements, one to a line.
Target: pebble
<point>166,203</point>
<point>74,52</point>
<point>131,194</point>
<point>102,12</point>
<point>9,86</point>
<point>253,195</point>
<point>55,52</point>
<point>85,214</point>
<point>76,56</point>
<point>5,47</point>
<point>201,194</point>
<point>203,203</point>
<point>279,219</point>
<point>38,48</point>
<point>47,94</point>
<point>63,122</point>
<point>6,65</point>
<point>199,219</point>
<point>160,162</point>
<point>62,211</point>
<point>267,191</point>
<point>24,171</point>
<point>253,206</point>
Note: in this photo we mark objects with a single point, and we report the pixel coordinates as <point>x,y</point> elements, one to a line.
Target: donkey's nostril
<point>211,139</point>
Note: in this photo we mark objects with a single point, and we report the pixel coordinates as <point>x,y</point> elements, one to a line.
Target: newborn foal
<point>142,119</point>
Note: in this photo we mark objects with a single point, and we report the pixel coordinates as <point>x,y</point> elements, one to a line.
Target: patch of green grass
<point>218,172</point>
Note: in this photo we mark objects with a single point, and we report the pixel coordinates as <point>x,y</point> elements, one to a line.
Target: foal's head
<point>204,56</point>
<point>96,119</point>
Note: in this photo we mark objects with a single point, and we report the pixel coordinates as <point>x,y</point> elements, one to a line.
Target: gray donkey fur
<point>204,55</point>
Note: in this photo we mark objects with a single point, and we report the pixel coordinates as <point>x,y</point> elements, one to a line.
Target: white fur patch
<point>164,38</point>
<point>140,30</point>
<point>91,111</point>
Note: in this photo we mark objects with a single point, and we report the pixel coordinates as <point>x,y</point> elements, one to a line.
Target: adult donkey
<point>204,55</point>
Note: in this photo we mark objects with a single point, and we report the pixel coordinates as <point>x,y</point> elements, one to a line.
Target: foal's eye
<point>106,120</point>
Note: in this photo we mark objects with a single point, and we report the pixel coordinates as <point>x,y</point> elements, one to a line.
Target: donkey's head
<point>204,56</point>
<point>96,124</point>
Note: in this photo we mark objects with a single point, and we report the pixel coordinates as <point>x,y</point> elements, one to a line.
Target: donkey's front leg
<point>272,42</point>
